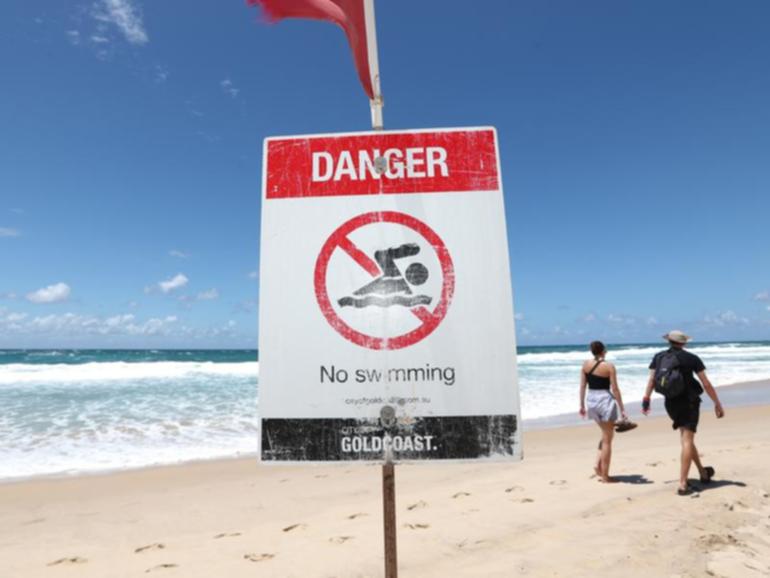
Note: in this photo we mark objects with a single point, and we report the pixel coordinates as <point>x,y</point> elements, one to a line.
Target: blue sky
<point>634,137</point>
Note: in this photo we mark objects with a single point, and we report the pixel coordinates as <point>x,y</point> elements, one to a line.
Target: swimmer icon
<point>392,288</point>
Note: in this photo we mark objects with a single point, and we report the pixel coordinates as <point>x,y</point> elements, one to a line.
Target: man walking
<point>672,372</point>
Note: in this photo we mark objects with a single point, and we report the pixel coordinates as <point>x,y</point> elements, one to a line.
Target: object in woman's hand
<point>624,425</point>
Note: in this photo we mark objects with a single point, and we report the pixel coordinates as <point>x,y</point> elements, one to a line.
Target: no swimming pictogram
<point>415,301</point>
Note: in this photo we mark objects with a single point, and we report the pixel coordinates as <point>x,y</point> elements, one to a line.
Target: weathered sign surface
<point>386,316</point>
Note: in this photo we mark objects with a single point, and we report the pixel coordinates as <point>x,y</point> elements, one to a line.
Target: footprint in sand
<point>736,504</point>
<point>258,557</point>
<point>709,541</point>
<point>35,521</point>
<point>417,526</point>
<point>322,476</point>
<point>465,544</point>
<point>460,495</point>
<point>72,560</point>
<point>356,515</point>
<point>294,527</point>
<point>654,464</point>
<point>514,489</point>
<point>417,505</point>
<point>161,567</point>
<point>340,539</point>
<point>557,482</point>
<point>227,535</point>
<point>526,500</point>
<point>156,546</point>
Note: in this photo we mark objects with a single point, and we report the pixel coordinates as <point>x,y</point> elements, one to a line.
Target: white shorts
<point>601,406</point>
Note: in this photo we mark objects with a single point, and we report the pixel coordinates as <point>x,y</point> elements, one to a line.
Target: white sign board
<point>386,317</point>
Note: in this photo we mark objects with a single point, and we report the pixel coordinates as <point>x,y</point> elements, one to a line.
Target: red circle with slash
<point>429,320</point>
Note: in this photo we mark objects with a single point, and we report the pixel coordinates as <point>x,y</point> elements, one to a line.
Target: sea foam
<point>68,412</point>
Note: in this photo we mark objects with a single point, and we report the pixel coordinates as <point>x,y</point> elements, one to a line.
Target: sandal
<point>708,474</point>
<point>624,425</point>
<point>685,491</point>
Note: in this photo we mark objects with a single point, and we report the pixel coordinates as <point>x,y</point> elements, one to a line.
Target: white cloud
<point>161,74</point>
<point>97,39</point>
<point>253,274</point>
<point>179,280</point>
<point>762,296</point>
<point>51,294</point>
<point>123,328</point>
<point>7,232</point>
<point>124,15</point>
<point>178,254</point>
<point>588,318</point>
<point>518,316</point>
<point>8,296</point>
<point>726,318</point>
<point>73,324</point>
<point>73,36</point>
<point>652,321</point>
<point>229,88</point>
<point>621,319</point>
<point>209,295</point>
<point>247,306</point>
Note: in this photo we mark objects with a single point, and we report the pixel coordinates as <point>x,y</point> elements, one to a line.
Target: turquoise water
<point>68,411</point>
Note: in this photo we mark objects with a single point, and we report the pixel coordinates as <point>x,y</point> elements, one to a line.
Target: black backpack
<point>669,380</point>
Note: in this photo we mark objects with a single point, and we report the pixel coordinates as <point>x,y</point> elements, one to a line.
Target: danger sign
<point>386,317</point>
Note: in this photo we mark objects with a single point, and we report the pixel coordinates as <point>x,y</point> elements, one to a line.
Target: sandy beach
<point>545,516</point>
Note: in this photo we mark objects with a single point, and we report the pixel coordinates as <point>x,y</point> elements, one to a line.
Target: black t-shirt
<point>689,364</point>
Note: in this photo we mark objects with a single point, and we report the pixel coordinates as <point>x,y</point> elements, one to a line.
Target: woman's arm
<point>616,390</point>
<point>582,392</point>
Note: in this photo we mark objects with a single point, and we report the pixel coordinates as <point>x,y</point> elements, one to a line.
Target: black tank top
<point>595,381</point>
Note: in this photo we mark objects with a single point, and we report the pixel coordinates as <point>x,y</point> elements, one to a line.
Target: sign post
<point>386,316</point>
<point>388,469</point>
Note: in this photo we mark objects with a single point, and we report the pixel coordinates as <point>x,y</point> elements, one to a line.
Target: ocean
<point>80,411</point>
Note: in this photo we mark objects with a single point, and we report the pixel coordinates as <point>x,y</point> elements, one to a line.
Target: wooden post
<point>389,519</point>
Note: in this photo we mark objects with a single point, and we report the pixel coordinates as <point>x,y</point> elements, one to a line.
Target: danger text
<point>412,163</point>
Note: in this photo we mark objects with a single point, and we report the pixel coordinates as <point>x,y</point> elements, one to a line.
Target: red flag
<point>350,15</point>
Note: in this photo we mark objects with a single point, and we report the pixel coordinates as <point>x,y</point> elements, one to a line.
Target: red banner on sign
<point>383,163</point>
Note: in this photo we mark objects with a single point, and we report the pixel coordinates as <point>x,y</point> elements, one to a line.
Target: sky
<point>634,143</point>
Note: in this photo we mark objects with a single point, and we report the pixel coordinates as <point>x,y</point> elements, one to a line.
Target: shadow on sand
<point>632,479</point>
<point>699,486</point>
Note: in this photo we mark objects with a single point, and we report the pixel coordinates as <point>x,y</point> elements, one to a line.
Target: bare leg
<point>689,454</point>
<point>696,458</point>
<point>605,453</point>
<point>598,462</point>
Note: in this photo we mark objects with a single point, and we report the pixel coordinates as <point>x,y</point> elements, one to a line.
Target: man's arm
<point>648,393</point>
<point>582,393</point>
<point>712,393</point>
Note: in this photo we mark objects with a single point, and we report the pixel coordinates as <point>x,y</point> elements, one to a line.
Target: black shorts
<point>684,411</point>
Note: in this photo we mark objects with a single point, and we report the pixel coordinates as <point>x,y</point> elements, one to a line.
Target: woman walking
<point>602,404</point>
